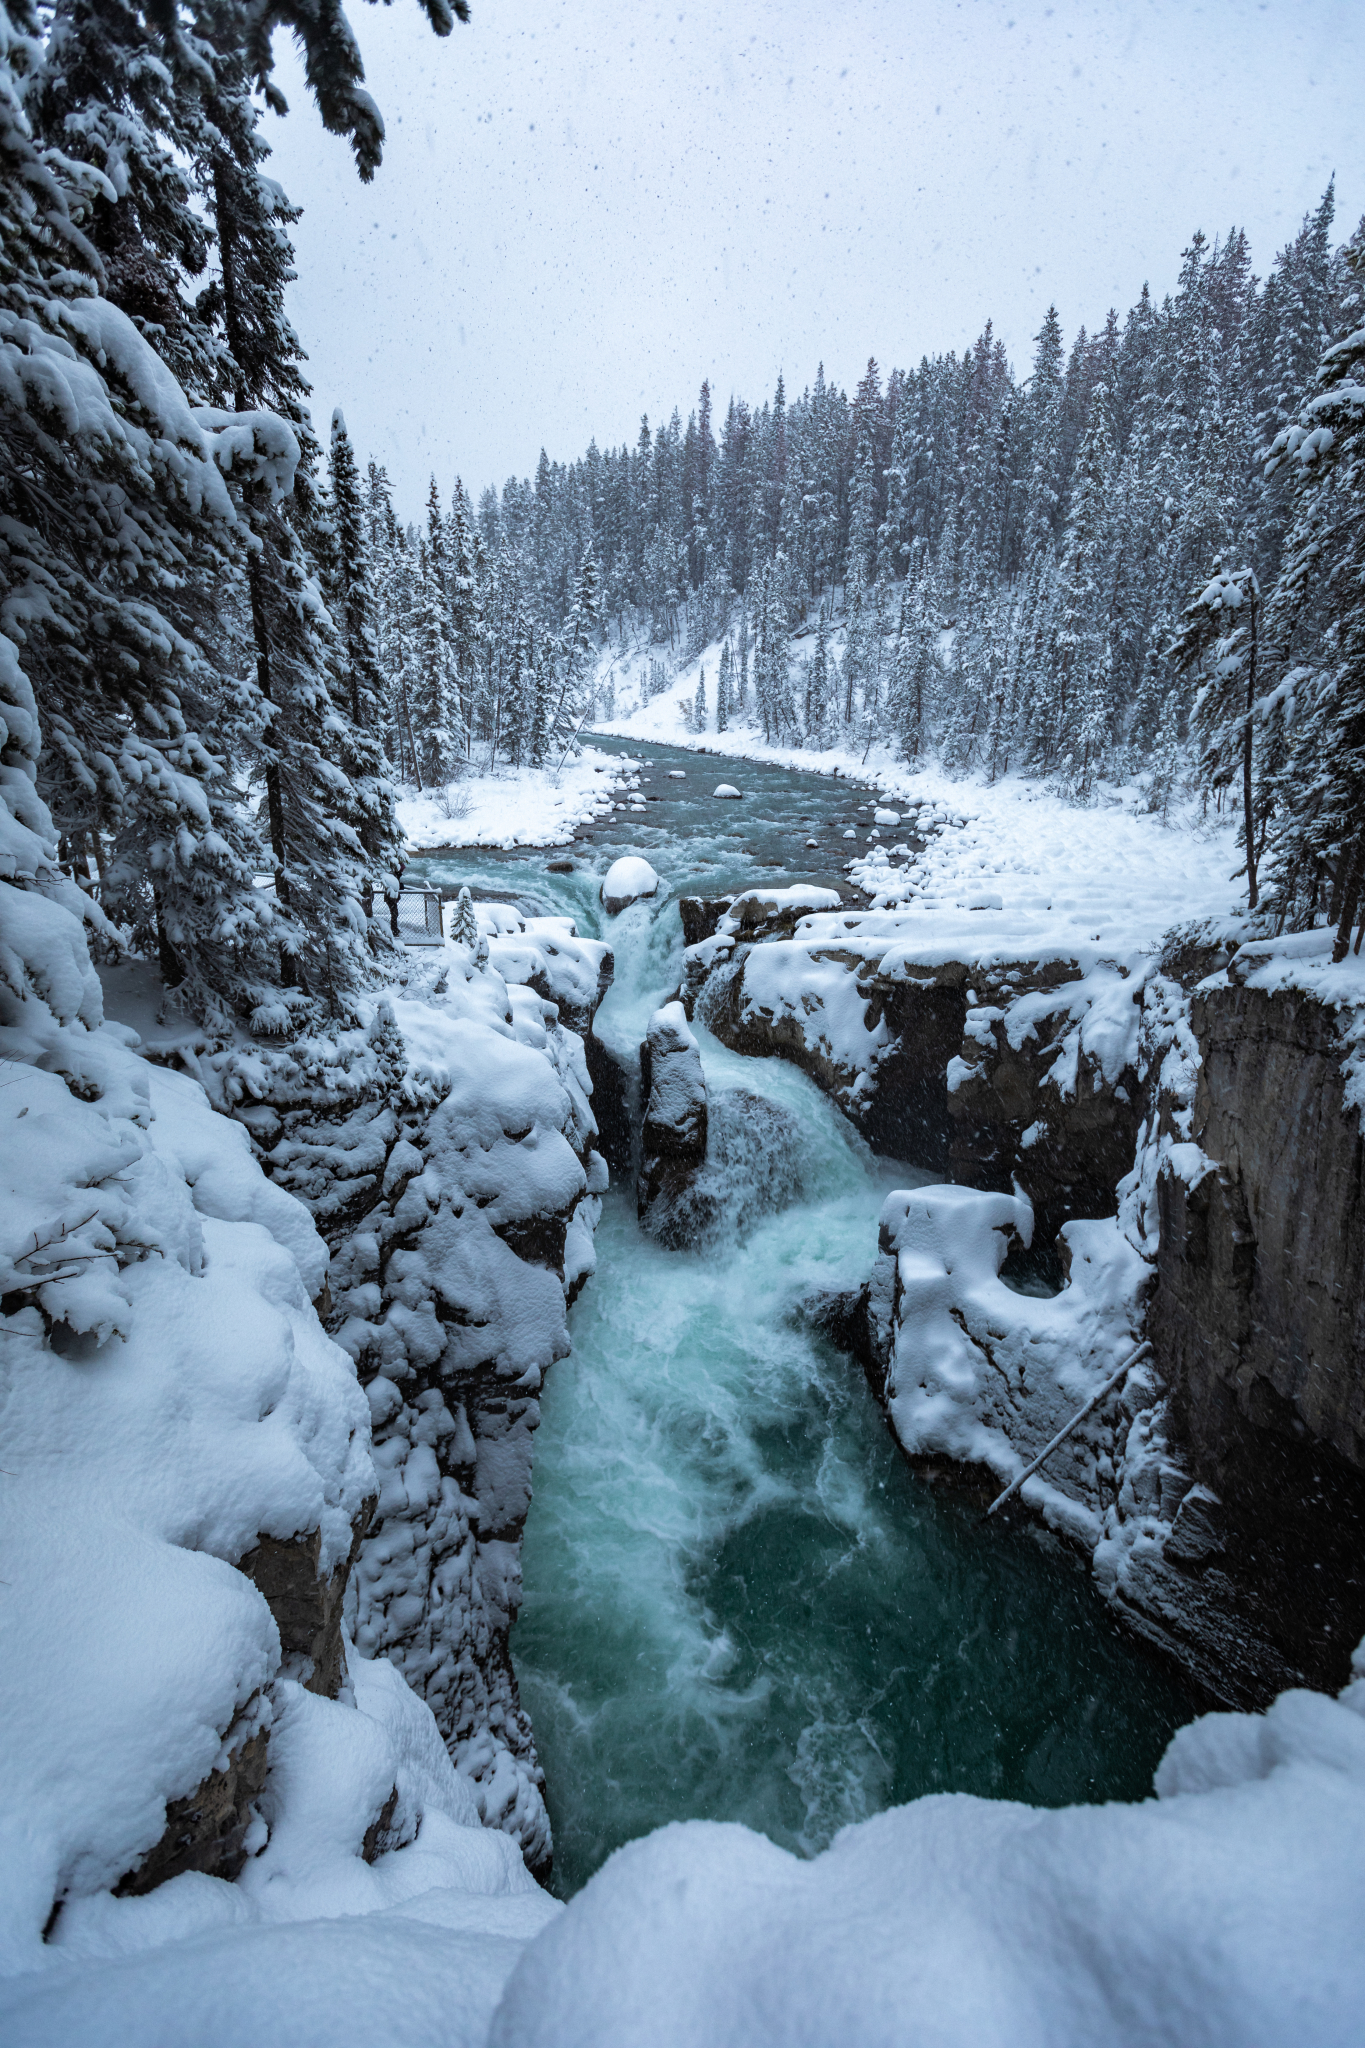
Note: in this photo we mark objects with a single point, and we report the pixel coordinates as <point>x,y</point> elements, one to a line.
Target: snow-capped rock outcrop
<point>1067,1071</point>
<point>999,1070</point>
<point>673,1132</point>
<point>626,881</point>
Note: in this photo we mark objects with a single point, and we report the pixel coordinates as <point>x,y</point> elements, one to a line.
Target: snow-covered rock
<point>673,1134</point>
<point>626,881</point>
<point>673,1087</point>
<point>726,789</point>
<point>189,1465</point>
<point>446,1149</point>
<point>546,954</point>
<point>982,1374</point>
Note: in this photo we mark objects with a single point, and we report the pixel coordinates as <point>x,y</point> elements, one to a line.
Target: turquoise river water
<point>740,1602</point>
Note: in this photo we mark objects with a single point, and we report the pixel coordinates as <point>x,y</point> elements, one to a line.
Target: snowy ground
<point>514,806</point>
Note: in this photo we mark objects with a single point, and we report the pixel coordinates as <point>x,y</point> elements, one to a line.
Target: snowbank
<point>1225,1913</point>
<point>313,1943</point>
<point>516,806</point>
<point>172,1404</point>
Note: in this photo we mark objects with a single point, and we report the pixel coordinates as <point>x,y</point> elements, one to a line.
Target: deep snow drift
<point>1224,1914</point>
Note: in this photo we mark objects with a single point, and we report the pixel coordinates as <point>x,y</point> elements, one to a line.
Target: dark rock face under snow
<point>673,1092</point>
<point>1209,1121</point>
<point>1259,1322</point>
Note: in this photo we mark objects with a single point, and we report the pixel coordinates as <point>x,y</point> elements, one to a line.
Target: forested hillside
<point>223,647</point>
<point>1076,573</point>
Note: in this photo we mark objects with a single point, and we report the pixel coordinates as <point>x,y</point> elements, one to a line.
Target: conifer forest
<point>1138,554</point>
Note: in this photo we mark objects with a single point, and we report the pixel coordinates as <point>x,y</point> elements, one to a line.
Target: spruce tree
<point>1218,639</point>
<point>463,606</point>
<point>116,532</point>
<point>817,684</point>
<point>1317,623</point>
<point>323,876</point>
<point>349,588</point>
<point>464,928</point>
<point>430,690</point>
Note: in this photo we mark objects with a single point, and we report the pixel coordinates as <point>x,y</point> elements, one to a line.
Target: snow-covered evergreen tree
<point>349,589</point>
<point>1317,624</point>
<point>323,876</point>
<point>1218,641</point>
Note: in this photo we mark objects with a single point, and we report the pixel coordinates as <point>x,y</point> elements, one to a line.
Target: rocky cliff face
<point>1259,1324</point>
<point>1209,1118</point>
<point>997,1074</point>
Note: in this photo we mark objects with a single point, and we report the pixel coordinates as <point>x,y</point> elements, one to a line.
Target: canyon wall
<point>448,1157</point>
<point>1205,1120</point>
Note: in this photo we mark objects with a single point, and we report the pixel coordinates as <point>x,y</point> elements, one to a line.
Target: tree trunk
<point>1248,794</point>
<point>1350,897</point>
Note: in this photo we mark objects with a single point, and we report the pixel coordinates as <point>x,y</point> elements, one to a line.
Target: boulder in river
<point>752,1167</point>
<point>673,1088</point>
<point>726,789</point>
<point>626,881</point>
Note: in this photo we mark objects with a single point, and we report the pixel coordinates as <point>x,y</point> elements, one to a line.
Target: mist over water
<point>740,1602</point>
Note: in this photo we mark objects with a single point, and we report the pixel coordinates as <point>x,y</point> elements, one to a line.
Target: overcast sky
<point>587,206</point>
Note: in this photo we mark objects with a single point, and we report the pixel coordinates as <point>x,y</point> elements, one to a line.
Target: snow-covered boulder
<point>726,789</point>
<point>546,954</point>
<point>882,816</point>
<point>626,881</point>
<point>987,1376</point>
<point>673,1086</point>
<point>677,775</point>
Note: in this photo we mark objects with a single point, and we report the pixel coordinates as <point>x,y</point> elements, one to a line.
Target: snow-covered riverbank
<point>508,806</point>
